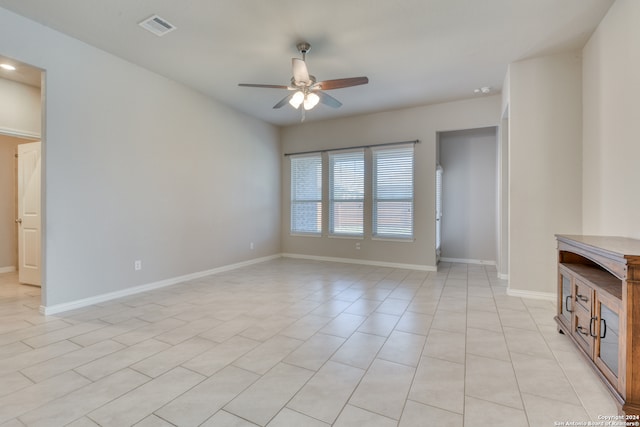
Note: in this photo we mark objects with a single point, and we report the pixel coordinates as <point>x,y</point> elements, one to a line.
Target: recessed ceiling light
<point>8,67</point>
<point>484,89</point>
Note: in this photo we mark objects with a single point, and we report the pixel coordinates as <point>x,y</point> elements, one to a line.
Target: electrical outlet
<point>137,265</point>
<point>357,246</point>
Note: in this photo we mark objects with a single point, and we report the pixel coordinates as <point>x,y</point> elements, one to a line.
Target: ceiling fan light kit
<point>308,100</point>
<point>307,91</point>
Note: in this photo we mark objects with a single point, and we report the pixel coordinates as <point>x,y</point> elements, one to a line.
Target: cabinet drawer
<point>584,295</point>
<point>582,329</point>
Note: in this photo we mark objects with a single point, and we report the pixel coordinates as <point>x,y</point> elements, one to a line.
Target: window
<point>346,193</point>
<point>393,192</point>
<point>387,174</point>
<point>306,194</point>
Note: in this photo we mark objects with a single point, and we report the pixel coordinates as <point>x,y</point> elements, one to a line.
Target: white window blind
<point>306,194</point>
<point>346,193</point>
<point>393,192</point>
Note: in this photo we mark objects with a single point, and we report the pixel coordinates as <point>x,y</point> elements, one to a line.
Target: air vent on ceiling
<point>157,25</point>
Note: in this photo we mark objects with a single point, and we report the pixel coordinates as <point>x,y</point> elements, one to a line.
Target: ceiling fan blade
<point>284,101</point>
<point>340,83</point>
<point>327,99</point>
<point>264,86</point>
<point>300,73</point>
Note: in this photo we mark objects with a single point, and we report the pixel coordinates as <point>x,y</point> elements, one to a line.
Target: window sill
<point>394,239</point>
<point>339,236</point>
<point>305,235</point>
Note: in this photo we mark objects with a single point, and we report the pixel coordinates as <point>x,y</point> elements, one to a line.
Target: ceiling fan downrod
<point>303,48</point>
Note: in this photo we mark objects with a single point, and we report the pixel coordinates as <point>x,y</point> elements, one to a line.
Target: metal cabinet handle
<point>582,330</point>
<point>19,221</point>
<point>582,298</point>
<point>566,304</point>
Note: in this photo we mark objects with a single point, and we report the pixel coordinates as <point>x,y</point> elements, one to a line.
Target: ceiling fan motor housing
<point>311,82</point>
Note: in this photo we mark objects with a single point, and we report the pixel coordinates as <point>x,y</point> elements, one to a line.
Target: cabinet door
<point>565,298</point>
<point>607,354</point>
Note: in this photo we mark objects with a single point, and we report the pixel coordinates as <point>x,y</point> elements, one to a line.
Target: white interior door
<point>29,216</point>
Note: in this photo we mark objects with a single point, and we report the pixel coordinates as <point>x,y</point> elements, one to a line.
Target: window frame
<point>294,229</point>
<point>378,196</point>
<point>357,181</point>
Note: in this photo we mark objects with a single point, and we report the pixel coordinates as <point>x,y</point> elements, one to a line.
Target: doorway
<point>469,196</point>
<point>21,118</point>
<point>9,202</point>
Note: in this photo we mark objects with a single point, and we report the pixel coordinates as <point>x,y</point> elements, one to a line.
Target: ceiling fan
<point>305,90</point>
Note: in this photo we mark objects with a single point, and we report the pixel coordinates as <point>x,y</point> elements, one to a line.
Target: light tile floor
<point>297,343</point>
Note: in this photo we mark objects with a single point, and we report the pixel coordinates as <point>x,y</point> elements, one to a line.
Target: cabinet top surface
<point>620,246</point>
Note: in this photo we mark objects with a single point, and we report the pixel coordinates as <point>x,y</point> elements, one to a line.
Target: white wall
<point>611,152</point>
<point>545,166</point>
<point>421,123</point>
<point>468,158</point>
<point>140,167</point>
<point>19,108</point>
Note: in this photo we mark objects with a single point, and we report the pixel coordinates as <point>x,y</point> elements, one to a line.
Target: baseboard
<point>468,261</point>
<point>549,296</point>
<point>73,305</point>
<point>9,269</point>
<point>363,262</point>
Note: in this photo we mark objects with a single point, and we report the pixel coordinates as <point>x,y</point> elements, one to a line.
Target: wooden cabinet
<point>599,308</point>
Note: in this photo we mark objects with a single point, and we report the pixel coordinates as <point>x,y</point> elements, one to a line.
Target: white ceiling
<point>414,52</point>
